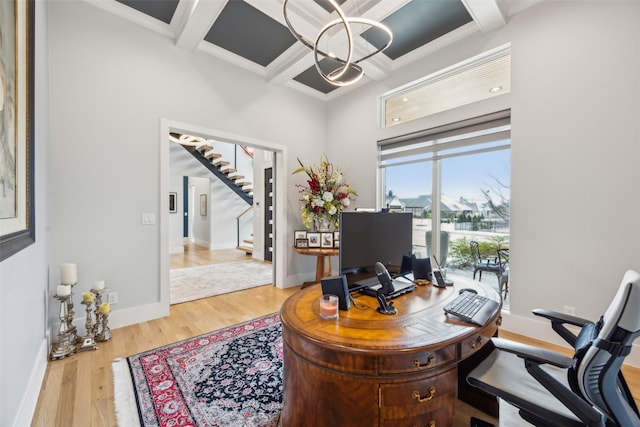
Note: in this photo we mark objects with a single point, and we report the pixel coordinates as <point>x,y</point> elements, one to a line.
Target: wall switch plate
<point>112,297</point>
<point>148,219</point>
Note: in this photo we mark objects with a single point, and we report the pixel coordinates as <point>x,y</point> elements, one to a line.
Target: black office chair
<point>479,265</point>
<point>550,389</point>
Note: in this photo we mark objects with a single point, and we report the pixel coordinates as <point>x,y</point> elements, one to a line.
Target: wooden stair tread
<point>220,163</point>
<point>212,155</point>
<point>245,249</point>
<point>227,170</point>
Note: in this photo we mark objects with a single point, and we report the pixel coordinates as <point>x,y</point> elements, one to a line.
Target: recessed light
<point>405,99</point>
<point>495,89</point>
<point>395,119</point>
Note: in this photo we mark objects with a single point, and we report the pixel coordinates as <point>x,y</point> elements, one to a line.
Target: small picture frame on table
<point>302,243</point>
<point>336,244</point>
<point>326,240</point>
<point>314,240</point>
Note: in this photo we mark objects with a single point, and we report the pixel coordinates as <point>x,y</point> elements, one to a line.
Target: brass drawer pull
<point>426,365</point>
<point>432,423</point>
<point>432,393</point>
<point>477,343</point>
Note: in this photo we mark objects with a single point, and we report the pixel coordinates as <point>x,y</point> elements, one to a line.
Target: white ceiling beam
<point>197,25</point>
<point>486,14</point>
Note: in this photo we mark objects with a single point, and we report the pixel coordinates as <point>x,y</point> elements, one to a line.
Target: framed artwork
<point>314,240</point>
<point>173,200</point>
<point>203,204</point>
<point>302,243</point>
<point>336,244</point>
<point>326,240</point>
<point>336,235</point>
<point>17,211</point>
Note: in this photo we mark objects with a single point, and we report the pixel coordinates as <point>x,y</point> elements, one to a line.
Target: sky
<point>461,176</point>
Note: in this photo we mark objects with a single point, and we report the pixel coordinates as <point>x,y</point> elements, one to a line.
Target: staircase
<point>222,168</point>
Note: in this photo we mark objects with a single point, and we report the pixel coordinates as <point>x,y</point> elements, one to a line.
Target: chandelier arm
<point>345,67</point>
<point>300,37</point>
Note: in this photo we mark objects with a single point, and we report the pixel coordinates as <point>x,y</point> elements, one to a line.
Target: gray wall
<point>575,148</point>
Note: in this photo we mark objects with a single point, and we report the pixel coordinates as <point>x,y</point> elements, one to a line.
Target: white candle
<point>63,290</point>
<point>68,274</point>
<point>98,285</point>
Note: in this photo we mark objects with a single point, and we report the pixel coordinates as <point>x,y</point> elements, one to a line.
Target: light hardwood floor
<point>78,390</point>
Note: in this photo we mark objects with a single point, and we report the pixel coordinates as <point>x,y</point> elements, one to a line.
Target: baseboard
<point>139,314</point>
<point>176,250</point>
<point>541,330</point>
<point>30,398</point>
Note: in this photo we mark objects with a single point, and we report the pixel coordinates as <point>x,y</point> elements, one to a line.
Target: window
<point>455,180</point>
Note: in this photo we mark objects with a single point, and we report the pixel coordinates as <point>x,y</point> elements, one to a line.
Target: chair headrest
<point>624,310</point>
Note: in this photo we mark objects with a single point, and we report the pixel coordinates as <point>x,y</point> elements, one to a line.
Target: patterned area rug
<point>227,378</point>
<point>188,284</point>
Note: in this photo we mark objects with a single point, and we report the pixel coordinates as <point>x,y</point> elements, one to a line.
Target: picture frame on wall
<point>203,205</point>
<point>173,202</point>
<point>17,210</point>
<point>314,239</point>
<point>326,240</point>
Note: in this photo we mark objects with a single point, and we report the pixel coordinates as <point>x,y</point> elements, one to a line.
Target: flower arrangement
<point>325,196</point>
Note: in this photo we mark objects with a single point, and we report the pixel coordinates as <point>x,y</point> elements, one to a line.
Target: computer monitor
<point>370,237</point>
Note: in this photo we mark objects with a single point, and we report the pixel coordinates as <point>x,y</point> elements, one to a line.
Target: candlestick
<point>68,274</point>
<point>66,343</point>
<point>88,342</point>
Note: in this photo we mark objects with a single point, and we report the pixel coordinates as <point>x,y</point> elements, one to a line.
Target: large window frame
<point>482,134</point>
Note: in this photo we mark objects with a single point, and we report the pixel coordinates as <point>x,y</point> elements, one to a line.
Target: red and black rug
<point>229,377</point>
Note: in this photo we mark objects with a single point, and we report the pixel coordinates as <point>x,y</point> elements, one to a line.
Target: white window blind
<point>480,134</point>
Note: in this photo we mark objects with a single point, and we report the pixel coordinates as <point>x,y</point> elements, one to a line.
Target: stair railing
<point>239,218</point>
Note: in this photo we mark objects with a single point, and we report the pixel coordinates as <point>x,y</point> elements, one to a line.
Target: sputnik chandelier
<point>348,70</point>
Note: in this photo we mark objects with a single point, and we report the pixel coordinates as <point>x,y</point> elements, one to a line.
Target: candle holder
<point>65,345</point>
<point>105,332</point>
<point>73,331</point>
<point>97,327</point>
<point>88,342</point>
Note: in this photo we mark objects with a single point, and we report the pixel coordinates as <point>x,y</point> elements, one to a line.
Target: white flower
<point>332,210</point>
<point>327,196</point>
<point>318,202</point>
<point>305,197</point>
<point>346,202</point>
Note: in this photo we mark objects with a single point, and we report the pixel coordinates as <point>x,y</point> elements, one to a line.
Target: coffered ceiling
<point>252,34</point>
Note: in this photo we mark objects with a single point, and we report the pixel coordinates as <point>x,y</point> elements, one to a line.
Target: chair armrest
<point>558,322</point>
<point>556,316</point>
<point>535,354</point>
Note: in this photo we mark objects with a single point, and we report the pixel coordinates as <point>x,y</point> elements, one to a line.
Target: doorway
<point>276,160</point>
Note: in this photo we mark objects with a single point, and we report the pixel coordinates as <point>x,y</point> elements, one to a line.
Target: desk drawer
<point>473,344</point>
<point>442,417</point>
<point>417,399</point>
<point>416,362</point>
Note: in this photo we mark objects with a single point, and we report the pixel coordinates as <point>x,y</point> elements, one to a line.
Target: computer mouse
<point>468,290</point>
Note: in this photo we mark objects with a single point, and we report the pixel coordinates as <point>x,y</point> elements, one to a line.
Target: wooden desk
<point>369,369</point>
<point>323,263</point>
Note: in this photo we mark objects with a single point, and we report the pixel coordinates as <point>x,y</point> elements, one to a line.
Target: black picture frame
<point>302,243</point>
<point>19,237</point>
<point>314,239</point>
<point>326,240</point>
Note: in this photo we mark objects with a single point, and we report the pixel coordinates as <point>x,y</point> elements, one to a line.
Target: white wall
<point>112,82</point>
<point>24,276</point>
<point>574,193</point>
